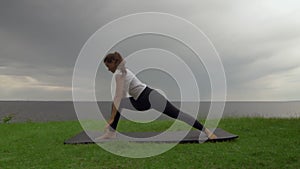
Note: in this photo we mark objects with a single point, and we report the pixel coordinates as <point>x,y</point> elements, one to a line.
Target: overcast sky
<point>257,40</point>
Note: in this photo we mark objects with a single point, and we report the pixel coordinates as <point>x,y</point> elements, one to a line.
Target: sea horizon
<point>41,111</point>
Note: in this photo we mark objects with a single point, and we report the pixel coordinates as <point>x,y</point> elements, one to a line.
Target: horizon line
<point>20,100</point>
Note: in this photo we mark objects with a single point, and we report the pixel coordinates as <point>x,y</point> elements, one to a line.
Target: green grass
<point>263,143</point>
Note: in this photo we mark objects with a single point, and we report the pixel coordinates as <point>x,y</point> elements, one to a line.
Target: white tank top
<point>132,85</point>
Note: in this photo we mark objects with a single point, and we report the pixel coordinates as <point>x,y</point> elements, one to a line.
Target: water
<point>64,110</point>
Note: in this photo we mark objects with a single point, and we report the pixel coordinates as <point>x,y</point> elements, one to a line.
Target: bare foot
<point>210,134</point>
<point>107,135</point>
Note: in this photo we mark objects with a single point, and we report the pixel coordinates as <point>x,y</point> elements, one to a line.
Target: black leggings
<point>150,98</point>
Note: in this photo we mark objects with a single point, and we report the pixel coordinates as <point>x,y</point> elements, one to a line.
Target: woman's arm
<point>113,113</point>
<point>118,96</point>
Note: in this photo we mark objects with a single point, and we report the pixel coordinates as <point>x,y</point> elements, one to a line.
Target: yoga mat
<point>142,137</point>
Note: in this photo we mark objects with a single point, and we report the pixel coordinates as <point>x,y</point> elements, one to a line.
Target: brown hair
<point>118,59</point>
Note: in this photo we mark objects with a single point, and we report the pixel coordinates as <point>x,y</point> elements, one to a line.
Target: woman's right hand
<point>107,126</point>
<point>107,135</point>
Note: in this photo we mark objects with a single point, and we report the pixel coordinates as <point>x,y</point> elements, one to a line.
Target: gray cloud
<point>256,40</point>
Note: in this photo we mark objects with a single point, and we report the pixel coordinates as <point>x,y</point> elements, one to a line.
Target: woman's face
<point>112,67</point>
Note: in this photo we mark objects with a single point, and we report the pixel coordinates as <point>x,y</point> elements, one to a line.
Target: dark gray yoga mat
<point>166,137</point>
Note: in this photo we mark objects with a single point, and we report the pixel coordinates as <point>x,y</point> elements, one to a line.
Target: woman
<point>142,98</point>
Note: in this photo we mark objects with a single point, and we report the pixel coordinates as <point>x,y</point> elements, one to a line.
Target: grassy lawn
<point>263,143</point>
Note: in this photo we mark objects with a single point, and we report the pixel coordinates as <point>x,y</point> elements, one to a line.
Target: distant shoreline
<point>64,110</point>
<point>171,100</point>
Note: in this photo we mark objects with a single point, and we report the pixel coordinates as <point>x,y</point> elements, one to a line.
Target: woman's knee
<point>157,101</point>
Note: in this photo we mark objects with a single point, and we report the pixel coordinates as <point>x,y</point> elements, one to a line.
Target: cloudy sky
<point>257,40</point>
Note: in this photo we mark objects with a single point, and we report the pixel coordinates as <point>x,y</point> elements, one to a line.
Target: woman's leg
<point>114,124</point>
<point>141,104</point>
<point>125,103</point>
<point>161,104</point>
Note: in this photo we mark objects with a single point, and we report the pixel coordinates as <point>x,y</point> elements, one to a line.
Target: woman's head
<point>114,61</point>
